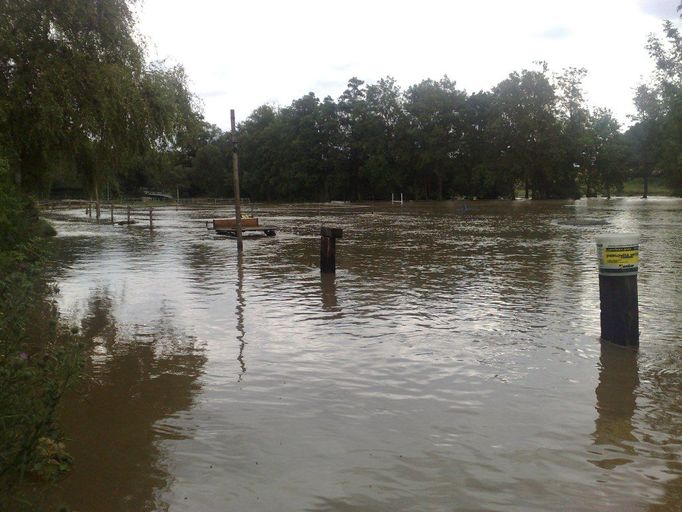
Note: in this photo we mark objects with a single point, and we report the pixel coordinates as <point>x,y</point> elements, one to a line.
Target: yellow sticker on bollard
<point>621,255</point>
<point>618,254</point>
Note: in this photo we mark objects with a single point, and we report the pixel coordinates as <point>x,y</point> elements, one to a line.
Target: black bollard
<point>618,265</point>
<point>328,238</point>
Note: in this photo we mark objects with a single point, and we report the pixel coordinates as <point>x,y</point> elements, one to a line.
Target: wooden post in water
<point>177,197</point>
<point>98,206</point>
<point>151,225</point>
<point>111,207</point>
<point>328,238</point>
<point>128,214</point>
<point>235,173</point>
<point>618,266</point>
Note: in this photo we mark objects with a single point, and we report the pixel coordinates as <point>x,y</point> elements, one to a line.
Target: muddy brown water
<point>452,363</point>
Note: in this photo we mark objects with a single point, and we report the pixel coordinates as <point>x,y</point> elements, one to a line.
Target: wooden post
<point>328,238</point>
<point>618,265</point>
<point>177,197</point>
<point>128,214</point>
<point>98,209</point>
<point>111,206</point>
<point>235,173</point>
<point>151,225</point>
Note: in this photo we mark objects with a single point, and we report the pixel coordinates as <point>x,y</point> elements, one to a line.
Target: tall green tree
<point>304,174</point>
<point>574,116</point>
<point>527,127</point>
<point>75,91</point>
<point>353,123</point>
<point>647,135</point>
<point>483,151</point>
<point>381,172</point>
<point>261,143</point>
<point>659,109</point>
<point>435,112</point>
<point>210,174</point>
<point>609,153</point>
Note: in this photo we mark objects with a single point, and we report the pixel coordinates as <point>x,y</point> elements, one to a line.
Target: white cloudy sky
<point>243,54</point>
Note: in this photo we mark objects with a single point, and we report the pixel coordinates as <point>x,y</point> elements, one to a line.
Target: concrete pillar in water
<point>328,238</point>
<point>618,265</point>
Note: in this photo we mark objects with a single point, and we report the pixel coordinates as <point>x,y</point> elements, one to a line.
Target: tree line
<point>532,131</point>
<point>81,109</point>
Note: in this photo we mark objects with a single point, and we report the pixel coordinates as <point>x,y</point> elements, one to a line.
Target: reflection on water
<point>328,291</point>
<point>241,304</point>
<point>135,385</point>
<point>660,405</point>
<point>450,363</point>
<point>616,404</point>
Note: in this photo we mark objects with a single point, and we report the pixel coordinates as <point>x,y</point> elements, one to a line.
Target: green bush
<point>38,356</point>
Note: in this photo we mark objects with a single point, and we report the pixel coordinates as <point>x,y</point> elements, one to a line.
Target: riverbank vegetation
<point>39,357</point>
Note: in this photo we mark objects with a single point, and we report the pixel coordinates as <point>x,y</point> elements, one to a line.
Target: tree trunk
<point>646,186</point>
<point>97,210</point>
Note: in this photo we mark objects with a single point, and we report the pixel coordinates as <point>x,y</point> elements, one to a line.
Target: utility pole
<point>235,173</point>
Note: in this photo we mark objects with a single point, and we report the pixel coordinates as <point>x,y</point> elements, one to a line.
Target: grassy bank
<point>657,187</point>
<point>39,357</point>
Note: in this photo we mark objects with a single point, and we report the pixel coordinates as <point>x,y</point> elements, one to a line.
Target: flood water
<point>452,363</point>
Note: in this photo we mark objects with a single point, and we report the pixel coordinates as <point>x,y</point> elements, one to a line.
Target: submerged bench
<point>228,227</point>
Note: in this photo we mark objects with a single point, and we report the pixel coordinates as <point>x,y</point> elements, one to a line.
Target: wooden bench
<point>228,227</point>
<point>232,223</point>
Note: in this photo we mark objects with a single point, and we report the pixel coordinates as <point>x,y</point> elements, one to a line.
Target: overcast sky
<point>243,54</point>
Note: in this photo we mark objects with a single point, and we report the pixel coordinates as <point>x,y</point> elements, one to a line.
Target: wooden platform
<point>266,230</point>
<point>228,227</point>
